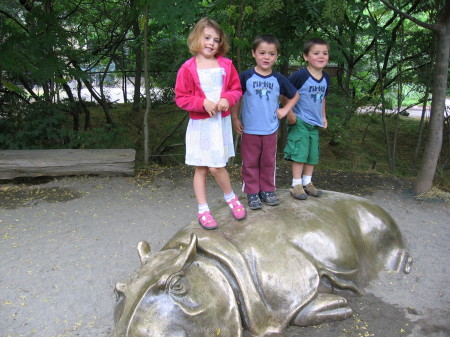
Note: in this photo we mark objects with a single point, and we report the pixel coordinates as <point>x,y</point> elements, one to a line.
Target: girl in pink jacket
<point>206,86</point>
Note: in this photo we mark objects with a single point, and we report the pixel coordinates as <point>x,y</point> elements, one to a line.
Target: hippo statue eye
<point>176,285</point>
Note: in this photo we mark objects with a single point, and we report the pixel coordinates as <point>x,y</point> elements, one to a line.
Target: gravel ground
<point>66,242</point>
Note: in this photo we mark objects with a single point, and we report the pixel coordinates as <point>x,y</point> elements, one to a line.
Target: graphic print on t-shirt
<point>263,89</point>
<point>317,93</point>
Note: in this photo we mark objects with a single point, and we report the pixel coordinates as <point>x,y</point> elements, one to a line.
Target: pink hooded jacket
<point>189,95</point>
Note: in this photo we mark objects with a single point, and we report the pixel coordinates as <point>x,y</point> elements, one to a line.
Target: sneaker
<point>253,201</point>
<point>311,190</point>
<point>206,220</point>
<point>270,198</point>
<point>298,192</point>
<point>237,209</point>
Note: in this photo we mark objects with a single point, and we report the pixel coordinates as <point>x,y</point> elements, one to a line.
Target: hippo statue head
<point>177,293</point>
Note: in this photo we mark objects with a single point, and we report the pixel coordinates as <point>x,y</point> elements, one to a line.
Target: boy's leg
<point>297,190</point>
<point>297,150</point>
<point>313,159</point>
<point>267,163</point>
<point>251,152</point>
<point>297,170</point>
<point>308,170</point>
<point>267,170</point>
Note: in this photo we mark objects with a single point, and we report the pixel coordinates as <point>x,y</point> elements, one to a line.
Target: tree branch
<point>434,28</point>
<point>14,19</point>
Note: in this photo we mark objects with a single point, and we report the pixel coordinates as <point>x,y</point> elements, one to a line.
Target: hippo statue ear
<point>188,254</point>
<point>144,250</point>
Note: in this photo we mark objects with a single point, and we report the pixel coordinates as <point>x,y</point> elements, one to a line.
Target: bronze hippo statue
<point>283,265</point>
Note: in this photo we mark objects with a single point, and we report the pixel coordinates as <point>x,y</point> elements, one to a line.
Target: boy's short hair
<point>267,38</point>
<point>308,44</point>
<point>194,38</point>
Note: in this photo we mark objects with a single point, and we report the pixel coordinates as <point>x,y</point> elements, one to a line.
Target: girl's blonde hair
<point>195,37</point>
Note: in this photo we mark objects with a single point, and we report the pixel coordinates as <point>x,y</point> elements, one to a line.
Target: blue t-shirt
<point>260,100</point>
<point>312,93</point>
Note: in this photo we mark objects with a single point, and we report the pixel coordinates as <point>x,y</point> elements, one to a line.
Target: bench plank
<point>62,162</point>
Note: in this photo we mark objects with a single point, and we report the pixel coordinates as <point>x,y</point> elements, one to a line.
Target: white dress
<point>209,141</point>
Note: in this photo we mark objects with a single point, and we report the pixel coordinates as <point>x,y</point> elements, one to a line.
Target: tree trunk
<point>433,145</point>
<point>383,108</point>
<point>100,101</point>
<point>138,68</point>
<point>74,111</point>
<point>421,125</point>
<point>147,86</point>
<point>87,113</point>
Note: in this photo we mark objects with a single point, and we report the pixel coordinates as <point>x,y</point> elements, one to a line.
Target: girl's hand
<point>325,123</point>
<point>223,105</point>
<point>210,107</point>
<point>291,117</point>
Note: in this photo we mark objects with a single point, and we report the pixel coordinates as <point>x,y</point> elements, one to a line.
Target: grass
<point>349,144</point>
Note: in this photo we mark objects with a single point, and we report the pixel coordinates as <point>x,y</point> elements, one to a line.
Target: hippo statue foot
<point>323,308</point>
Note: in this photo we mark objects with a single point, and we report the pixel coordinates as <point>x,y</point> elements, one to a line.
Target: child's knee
<point>201,170</point>
<point>216,171</point>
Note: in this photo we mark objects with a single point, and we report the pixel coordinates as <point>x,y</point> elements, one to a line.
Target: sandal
<point>237,209</point>
<point>206,220</point>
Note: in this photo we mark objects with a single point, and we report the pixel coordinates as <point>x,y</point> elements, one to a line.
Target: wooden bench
<point>65,162</point>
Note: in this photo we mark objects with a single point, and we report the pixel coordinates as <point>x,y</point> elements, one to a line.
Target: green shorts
<point>302,143</point>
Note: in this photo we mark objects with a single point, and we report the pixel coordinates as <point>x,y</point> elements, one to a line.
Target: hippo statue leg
<point>323,308</point>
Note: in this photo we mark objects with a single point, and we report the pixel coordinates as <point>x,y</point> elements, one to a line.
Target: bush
<point>34,126</point>
<point>106,137</point>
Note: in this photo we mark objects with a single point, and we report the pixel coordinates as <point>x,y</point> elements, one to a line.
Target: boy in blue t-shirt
<point>302,146</point>
<point>260,112</point>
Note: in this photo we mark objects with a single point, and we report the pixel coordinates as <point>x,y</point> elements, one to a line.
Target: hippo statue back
<point>283,265</point>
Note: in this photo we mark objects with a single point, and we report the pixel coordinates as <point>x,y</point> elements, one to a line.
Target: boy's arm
<point>237,124</point>
<point>288,104</point>
<point>324,114</point>
<point>291,117</point>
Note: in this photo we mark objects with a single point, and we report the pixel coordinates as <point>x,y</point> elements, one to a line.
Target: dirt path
<point>66,242</point>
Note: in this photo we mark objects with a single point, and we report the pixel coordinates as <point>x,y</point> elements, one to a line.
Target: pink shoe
<point>206,220</point>
<point>237,209</point>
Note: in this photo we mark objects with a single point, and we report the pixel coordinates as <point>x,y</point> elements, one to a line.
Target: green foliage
<point>265,9</point>
<point>44,125</point>
<point>105,137</point>
<point>357,145</point>
<point>173,15</point>
<point>334,11</point>
<point>166,56</point>
<point>33,126</point>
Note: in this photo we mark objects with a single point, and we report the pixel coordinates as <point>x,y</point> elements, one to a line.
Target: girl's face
<point>210,42</point>
<point>317,56</point>
<point>265,56</point>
